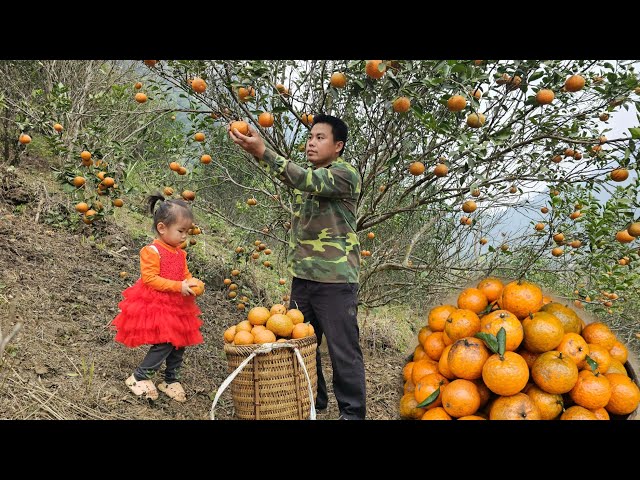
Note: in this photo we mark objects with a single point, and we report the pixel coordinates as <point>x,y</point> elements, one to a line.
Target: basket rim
<point>230,348</point>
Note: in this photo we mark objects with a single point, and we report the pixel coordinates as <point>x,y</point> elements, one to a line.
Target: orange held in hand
<point>197,286</point>
<point>242,127</point>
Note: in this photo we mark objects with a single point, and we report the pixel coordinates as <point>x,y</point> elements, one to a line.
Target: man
<point>324,252</point>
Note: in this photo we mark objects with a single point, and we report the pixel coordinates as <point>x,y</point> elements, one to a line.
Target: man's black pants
<point>156,357</point>
<point>332,309</point>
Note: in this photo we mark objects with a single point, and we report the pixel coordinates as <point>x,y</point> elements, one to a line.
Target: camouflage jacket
<point>323,245</point>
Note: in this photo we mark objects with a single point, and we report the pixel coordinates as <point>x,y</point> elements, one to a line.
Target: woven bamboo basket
<point>273,385</point>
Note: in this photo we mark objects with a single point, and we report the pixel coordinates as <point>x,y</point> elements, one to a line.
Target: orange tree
<point>86,115</point>
<point>505,137</point>
<point>451,153</point>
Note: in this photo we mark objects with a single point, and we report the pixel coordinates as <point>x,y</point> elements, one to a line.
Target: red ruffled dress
<point>149,316</point>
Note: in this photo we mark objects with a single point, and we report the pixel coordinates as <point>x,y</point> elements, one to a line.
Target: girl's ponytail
<point>153,199</point>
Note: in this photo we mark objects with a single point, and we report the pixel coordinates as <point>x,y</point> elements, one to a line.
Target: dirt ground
<point>63,290</point>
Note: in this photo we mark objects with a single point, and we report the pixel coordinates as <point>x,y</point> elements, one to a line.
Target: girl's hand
<point>186,290</point>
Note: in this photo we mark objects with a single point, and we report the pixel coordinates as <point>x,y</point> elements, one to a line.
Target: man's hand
<point>252,143</point>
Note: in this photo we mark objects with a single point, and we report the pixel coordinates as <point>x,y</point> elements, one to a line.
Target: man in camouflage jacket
<point>324,252</point>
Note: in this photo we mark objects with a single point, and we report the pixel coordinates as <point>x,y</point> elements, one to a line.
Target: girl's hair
<point>169,211</point>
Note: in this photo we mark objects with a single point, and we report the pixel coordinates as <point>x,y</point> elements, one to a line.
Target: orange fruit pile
<point>508,352</point>
<point>264,325</point>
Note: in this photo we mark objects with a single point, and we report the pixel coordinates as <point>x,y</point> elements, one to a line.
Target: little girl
<point>159,309</point>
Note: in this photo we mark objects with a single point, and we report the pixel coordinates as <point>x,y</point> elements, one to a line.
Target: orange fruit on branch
<point>619,174</point>
<point>574,83</point>
<point>476,120</point>
<point>401,105</point>
<point>265,119</point>
<point>198,85</point>
<point>189,195</point>
<point>338,80</point>
<point>416,168</point>
<point>545,96</point>
<point>372,68</point>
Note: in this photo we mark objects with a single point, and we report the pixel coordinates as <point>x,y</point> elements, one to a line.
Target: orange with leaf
<point>467,357</point>
<point>430,388</point>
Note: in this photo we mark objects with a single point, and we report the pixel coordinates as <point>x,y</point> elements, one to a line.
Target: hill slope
<point>64,289</point>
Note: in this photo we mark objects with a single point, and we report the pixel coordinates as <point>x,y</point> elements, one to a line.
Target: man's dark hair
<point>338,128</point>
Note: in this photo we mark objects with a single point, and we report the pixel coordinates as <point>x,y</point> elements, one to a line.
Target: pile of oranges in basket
<point>267,325</point>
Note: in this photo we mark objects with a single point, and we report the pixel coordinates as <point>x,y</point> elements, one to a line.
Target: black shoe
<point>321,409</point>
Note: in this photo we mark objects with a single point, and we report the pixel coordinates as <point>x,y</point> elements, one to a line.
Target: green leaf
<point>487,309</point>
<point>459,68</point>
<point>592,363</point>
<point>536,75</point>
<point>393,80</point>
<point>490,340</point>
<point>502,340</point>
<point>503,134</point>
<point>430,399</point>
<point>635,132</point>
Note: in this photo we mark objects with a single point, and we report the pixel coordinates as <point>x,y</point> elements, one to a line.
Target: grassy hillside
<point>61,284</point>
